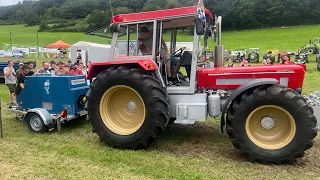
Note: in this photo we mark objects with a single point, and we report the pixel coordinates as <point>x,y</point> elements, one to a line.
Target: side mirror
<point>199,27</point>
<point>114,28</point>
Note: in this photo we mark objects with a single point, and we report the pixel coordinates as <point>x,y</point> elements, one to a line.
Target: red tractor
<point>130,101</point>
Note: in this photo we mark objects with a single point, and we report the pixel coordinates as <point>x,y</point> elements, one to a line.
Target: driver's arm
<point>165,48</point>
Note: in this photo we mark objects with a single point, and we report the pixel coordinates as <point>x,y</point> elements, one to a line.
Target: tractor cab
<point>313,45</point>
<point>253,50</point>
<point>153,41</point>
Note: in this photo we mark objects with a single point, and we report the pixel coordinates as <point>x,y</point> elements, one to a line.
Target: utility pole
<point>37,45</point>
<point>10,41</point>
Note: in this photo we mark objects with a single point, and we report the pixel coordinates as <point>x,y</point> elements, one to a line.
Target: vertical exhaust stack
<point>219,49</point>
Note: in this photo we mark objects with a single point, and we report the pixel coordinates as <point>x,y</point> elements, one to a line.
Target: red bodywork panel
<point>160,14</point>
<point>98,67</point>
<point>233,77</point>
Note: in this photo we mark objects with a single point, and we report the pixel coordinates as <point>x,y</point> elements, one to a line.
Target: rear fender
<point>98,67</point>
<point>240,90</point>
<point>43,113</point>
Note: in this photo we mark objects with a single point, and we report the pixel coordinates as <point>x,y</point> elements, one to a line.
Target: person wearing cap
<point>20,69</point>
<point>146,41</point>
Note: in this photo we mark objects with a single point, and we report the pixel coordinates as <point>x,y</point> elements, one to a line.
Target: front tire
<point>311,51</point>
<point>35,123</point>
<point>127,108</point>
<point>271,124</point>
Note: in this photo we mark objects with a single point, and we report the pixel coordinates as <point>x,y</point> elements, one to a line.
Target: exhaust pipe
<point>219,49</point>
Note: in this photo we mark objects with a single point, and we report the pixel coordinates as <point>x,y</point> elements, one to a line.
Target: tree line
<point>82,15</point>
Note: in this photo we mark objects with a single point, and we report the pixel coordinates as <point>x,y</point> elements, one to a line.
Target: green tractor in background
<point>254,55</point>
<point>301,57</point>
<point>313,46</point>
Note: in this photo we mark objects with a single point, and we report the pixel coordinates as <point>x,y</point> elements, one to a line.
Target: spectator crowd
<point>284,59</point>
<point>15,79</point>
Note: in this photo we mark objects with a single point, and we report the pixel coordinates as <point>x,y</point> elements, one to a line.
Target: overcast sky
<point>8,2</point>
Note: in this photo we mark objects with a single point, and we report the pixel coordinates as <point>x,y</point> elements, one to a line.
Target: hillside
<point>239,14</point>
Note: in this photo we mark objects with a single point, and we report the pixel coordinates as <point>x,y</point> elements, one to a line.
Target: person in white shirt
<point>10,80</point>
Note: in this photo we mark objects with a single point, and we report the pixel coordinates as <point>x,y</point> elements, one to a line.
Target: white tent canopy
<point>90,52</point>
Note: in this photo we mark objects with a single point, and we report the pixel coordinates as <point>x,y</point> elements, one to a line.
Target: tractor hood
<point>291,76</point>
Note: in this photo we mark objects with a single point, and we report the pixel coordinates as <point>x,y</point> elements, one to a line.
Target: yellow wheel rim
<point>122,110</point>
<point>270,127</point>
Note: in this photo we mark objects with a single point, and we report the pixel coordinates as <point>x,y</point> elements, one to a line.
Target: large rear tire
<point>128,108</point>
<point>271,124</point>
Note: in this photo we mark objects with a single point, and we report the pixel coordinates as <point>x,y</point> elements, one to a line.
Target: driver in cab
<point>145,41</point>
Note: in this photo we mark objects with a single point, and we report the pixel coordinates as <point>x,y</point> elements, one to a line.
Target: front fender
<point>98,67</point>
<point>240,90</point>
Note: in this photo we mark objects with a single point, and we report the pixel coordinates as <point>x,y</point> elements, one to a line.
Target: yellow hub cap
<point>270,127</point>
<point>122,110</point>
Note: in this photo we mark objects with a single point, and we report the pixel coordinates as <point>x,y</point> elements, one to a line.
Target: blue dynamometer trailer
<point>48,100</point>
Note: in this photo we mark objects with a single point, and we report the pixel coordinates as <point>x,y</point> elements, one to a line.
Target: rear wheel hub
<point>122,110</point>
<point>267,122</point>
<point>131,106</point>
<point>274,131</point>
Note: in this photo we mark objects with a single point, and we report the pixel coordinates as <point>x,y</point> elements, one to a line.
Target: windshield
<point>134,40</point>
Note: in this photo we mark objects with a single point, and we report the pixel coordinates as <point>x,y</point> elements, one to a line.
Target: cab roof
<point>158,15</point>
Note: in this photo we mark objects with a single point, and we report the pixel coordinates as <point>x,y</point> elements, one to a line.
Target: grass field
<point>183,152</point>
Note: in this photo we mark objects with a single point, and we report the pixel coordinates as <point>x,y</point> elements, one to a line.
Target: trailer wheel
<point>128,108</point>
<point>35,123</point>
<point>271,124</point>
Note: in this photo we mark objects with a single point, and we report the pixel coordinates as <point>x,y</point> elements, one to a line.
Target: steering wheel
<point>179,52</point>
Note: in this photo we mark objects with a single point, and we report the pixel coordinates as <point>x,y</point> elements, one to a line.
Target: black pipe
<point>1,132</point>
